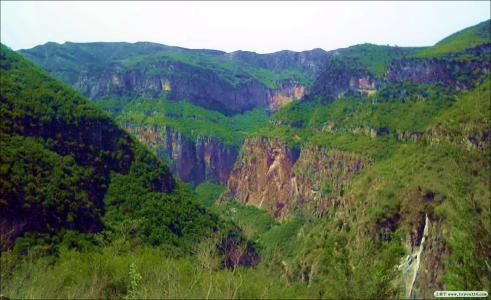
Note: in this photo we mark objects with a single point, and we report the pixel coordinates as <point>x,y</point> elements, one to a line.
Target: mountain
<point>224,95</point>
<point>393,165</point>
<point>373,185</point>
<point>198,138</point>
<point>66,166</point>
<point>226,82</point>
<point>467,38</point>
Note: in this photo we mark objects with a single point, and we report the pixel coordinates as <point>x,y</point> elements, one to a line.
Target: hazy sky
<point>256,26</point>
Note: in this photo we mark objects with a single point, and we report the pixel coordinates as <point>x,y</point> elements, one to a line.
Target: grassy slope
<point>459,41</point>
<point>208,192</point>
<point>146,273</point>
<point>193,120</point>
<point>374,58</point>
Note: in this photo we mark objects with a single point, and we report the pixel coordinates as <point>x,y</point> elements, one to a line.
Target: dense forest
<point>361,172</point>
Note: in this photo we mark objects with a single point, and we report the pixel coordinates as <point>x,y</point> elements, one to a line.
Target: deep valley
<point>140,170</point>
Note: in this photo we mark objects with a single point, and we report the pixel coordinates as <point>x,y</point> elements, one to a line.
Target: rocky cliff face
<point>308,62</point>
<point>177,81</point>
<point>452,73</point>
<point>339,77</point>
<point>284,181</point>
<point>460,71</point>
<point>287,91</point>
<point>227,82</point>
<point>193,160</point>
<point>263,175</point>
<point>199,86</point>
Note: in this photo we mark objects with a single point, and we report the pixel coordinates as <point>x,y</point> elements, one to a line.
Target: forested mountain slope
<point>67,166</point>
<point>190,126</point>
<point>392,166</point>
<point>226,82</point>
<point>374,185</point>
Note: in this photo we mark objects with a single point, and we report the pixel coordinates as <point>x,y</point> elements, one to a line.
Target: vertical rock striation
<point>285,181</point>
<point>193,159</point>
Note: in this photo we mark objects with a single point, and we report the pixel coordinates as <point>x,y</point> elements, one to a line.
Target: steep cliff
<point>349,71</point>
<point>458,74</point>
<point>192,159</point>
<point>226,82</point>
<point>340,77</point>
<point>287,92</point>
<point>392,165</point>
<point>263,175</point>
<point>284,181</point>
<point>198,144</point>
<point>178,81</point>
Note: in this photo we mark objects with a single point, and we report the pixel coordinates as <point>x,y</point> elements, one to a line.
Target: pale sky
<point>255,26</point>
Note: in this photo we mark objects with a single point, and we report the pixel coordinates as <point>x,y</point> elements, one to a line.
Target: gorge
<point>360,172</point>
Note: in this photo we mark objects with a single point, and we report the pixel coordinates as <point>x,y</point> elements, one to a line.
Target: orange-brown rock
<point>284,181</point>
<point>286,93</point>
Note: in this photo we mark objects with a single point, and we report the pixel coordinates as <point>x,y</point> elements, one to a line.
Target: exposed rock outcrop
<point>473,135</point>
<point>285,181</point>
<point>227,82</point>
<point>192,159</point>
<point>178,81</point>
<point>340,77</point>
<point>287,91</point>
<point>452,73</point>
<point>308,62</point>
<point>238,252</point>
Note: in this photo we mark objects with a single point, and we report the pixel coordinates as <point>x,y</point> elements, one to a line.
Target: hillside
<point>198,144</point>
<point>226,82</point>
<point>459,41</point>
<point>67,167</point>
<point>374,169</point>
<point>150,81</point>
<point>370,180</point>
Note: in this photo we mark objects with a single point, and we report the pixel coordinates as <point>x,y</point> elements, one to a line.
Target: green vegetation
<point>374,58</point>
<point>469,114</point>
<point>207,192</point>
<point>88,212</point>
<point>459,41</point>
<point>253,221</point>
<point>70,59</point>
<point>354,118</point>
<point>194,121</point>
<point>113,105</point>
<point>112,272</point>
<point>65,165</point>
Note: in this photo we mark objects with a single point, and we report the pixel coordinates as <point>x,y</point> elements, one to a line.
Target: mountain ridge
<point>368,178</point>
